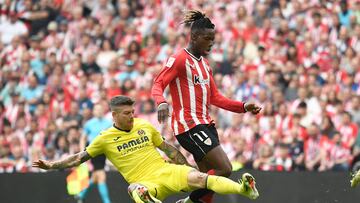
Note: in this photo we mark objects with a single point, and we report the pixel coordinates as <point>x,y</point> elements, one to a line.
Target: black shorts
<point>98,162</point>
<point>199,140</point>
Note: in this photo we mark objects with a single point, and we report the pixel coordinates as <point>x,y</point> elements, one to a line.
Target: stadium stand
<point>299,59</point>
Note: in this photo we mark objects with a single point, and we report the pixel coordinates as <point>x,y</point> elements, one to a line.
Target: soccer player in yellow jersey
<point>131,145</point>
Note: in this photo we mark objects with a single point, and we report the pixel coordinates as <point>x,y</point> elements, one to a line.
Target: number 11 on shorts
<point>203,138</point>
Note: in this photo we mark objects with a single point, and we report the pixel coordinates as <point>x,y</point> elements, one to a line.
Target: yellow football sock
<point>223,185</point>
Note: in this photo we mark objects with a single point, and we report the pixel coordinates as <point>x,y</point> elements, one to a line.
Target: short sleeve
<point>96,147</point>
<point>156,136</point>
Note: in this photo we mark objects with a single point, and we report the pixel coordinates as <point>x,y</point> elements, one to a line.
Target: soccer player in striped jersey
<point>131,145</point>
<point>193,89</point>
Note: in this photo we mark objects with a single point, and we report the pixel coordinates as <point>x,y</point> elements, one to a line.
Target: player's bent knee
<point>140,194</point>
<point>100,176</point>
<point>225,170</point>
<point>132,187</point>
<point>197,179</point>
<point>97,177</point>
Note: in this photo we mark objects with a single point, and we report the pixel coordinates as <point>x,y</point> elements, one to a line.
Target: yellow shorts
<point>168,180</point>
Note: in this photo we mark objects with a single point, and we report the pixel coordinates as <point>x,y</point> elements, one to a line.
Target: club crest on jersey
<point>199,81</point>
<point>170,62</point>
<point>141,132</point>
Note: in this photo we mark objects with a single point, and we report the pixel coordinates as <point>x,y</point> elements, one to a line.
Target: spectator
<point>6,165</point>
<point>283,160</point>
<point>355,109</point>
<point>348,130</point>
<point>312,148</point>
<point>87,47</point>
<point>339,155</point>
<point>327,127</point>
<point>3,120</point>
<point>39,15</point>
<point>296,151</point>
<point>61,144</point>
<point>148,112</point>
<point>345,13</point>
<point>11,55</point>
<point>265,161</point>
<point>129,73</point>
<point>32,92</point>
<point>13,26</point>
<point>243,153</point>
<point>17,158</point>
<point>91,66</point>
<point>106,54</point>
<point>73,117</point>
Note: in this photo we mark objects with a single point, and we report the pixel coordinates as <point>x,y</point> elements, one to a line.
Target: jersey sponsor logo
<point>199,81</point>
<point>170,62</point>
<point>133,143</point>
<point>117,138</point>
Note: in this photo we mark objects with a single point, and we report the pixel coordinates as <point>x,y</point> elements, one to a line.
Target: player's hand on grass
<point>43,164</point>
<point>163,112</point>
<point>251,107</point>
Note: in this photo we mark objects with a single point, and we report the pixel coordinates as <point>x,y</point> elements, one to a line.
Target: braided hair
<point>197,20</point>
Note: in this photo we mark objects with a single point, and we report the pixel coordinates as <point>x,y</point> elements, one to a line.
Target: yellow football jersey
<point>133,153</point>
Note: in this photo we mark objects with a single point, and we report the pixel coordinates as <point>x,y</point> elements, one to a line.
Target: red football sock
<point>211,172</point>
<point>208,198</point>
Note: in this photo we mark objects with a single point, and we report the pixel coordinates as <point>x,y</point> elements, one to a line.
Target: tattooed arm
<point>174,154</point>
<point>67,162</point>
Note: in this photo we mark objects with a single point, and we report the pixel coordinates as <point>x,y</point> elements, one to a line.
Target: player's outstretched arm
<point>67,162</point>
<point>223,102</point>
<point>174,154</point>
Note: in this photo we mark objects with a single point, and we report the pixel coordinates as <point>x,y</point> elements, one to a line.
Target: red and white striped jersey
<point>192,89</point>
<point>348,134</point>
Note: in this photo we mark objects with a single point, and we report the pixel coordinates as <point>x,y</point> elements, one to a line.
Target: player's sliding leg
<point>140,194</point>
<point>215,158</point>
<point>205,195</point>
<point>355,180</point>
<point>222,185</point>
<point>248,185</point>
<point>200,195</point>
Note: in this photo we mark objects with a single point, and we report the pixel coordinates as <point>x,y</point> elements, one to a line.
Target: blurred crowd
<point>298,59</point>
